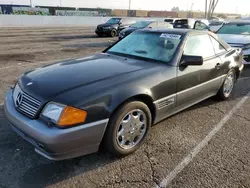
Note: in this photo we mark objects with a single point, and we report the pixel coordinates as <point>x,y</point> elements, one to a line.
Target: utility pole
<point>60,3</point>
<point>30,3</point>
<point>206,9</point>
<point>191,8</point>
<point>129,4</point>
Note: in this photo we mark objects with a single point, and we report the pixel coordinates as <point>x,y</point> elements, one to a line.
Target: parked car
<point>170,20</point>
<point>113,26</point>
<point>190,23</point>
<point>69,108</point>
<point>143,25</point>
<point>237,34</point>
<point>215,25</point>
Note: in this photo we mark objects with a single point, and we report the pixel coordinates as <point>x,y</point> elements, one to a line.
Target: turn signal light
<point>71,116</point>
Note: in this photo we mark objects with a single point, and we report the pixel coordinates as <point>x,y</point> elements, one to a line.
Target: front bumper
<point>103,31</point>
<point>52,142</point>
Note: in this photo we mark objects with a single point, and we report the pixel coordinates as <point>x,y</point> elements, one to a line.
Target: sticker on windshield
<point>170,36</point>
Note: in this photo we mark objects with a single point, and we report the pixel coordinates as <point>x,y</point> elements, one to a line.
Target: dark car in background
<point>113,26</point>
<point>111,99</point>
<point>143,25</point>
<point>190,23</point>
<point>170,20</point>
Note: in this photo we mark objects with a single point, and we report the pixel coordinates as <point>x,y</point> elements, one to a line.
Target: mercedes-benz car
<point>237,34</point>
<point>143,25</point>
<point>111,99</point>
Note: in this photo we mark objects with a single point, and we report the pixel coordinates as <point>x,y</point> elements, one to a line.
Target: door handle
<point>218,66</point>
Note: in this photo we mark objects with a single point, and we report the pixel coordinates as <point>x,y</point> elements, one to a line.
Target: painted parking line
<point>192,154</point>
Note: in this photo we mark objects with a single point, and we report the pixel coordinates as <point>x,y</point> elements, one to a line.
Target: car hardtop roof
<point>146,20</point>
<point>238,22</point>
<point>174,31</point>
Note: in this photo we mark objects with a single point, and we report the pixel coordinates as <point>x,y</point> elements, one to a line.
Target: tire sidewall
<point>113,31</point>
<point>221,92</point>
<point>114,124</point>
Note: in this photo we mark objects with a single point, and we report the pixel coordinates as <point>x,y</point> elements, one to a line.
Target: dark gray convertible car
<point>111,100</point>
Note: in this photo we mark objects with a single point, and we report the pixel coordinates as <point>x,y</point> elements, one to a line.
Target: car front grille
<point>247,58</point>
<point>25,103</point>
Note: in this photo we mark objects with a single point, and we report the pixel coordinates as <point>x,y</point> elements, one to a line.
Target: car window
<point>199,45</point>
<point>218,48</point>
<point>153,25</point>
<point>114,20</point>
<point>200,26</point>
<point>147,45</point>
<point>183,23</point>
<point>237,29</point>
<point>169,20</point>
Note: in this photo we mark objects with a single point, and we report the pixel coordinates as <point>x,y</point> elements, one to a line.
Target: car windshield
<point>148,46</point>
<point>114,21</point>
<point>169,20</point>
<point>181,22</point>
<point>141,24</point>
<point>237,29</point>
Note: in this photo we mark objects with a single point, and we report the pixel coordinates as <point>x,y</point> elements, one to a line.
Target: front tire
<point>113,33</point>
<point>227,86</point>
<point>127,128</point>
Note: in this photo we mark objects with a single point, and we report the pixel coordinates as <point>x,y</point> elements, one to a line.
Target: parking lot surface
<point>223,162</point>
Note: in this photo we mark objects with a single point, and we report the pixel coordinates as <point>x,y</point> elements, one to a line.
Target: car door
<point>195,83</point>
<point>222,53</point>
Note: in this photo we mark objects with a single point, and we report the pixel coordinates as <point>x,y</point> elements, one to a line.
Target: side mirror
<point>187,60</point>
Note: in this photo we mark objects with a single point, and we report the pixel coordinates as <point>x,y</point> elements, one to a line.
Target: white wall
<point>53,21</point>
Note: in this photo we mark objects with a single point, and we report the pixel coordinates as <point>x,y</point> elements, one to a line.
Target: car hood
<point>52,80</point>
<point>106,25</point>
<point>129,30</point>
<point>235,39</point>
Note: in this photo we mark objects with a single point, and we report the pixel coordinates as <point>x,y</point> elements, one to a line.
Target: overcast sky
<point>242,6</point>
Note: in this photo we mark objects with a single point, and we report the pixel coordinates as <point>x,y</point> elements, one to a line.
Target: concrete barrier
<point>54,21</point>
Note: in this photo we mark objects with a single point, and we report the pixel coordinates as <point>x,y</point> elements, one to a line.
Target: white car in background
<point>237,34</point>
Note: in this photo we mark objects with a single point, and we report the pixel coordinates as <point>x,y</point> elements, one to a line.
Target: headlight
<point>63,115</point>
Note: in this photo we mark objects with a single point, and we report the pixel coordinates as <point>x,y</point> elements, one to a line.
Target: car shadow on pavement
<point>90,45</point>
<point>20,166</point>
<point>52,172</point>
<point>72,37</point>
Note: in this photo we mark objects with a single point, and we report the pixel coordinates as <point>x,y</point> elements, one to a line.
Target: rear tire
<point>228,85</point>
<point>127,128</point>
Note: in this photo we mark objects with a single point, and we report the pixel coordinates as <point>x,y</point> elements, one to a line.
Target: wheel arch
<point>146,99</point>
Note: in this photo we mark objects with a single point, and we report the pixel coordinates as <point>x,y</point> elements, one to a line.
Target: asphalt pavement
<point>224,162</point>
